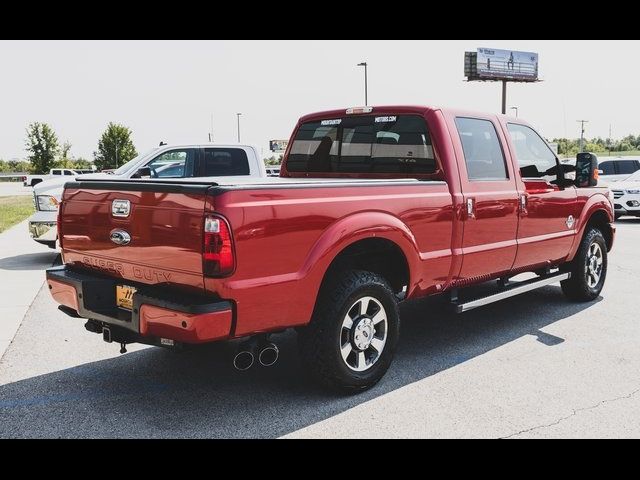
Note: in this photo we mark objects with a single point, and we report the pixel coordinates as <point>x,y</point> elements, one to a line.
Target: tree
<point>82,163</point>
<point>273,160</point>
<point>115,147</point>
<point>42,145</point>
<point>65,160</point>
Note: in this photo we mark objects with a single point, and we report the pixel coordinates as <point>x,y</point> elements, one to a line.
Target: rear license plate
<point>124,296</point>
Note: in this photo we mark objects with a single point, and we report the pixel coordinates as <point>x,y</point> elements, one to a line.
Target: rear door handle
<point>523,203</point>
<point>471,208</point>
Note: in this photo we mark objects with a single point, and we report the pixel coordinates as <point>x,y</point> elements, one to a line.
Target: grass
<point>627,153</point>
<point>14,209</point>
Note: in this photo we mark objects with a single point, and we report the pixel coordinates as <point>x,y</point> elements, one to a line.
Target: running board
<point>516,289</point>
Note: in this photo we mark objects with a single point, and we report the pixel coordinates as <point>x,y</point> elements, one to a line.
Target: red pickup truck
<point>374,205</point>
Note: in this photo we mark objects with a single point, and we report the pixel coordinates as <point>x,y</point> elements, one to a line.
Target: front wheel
<point>588,268</point>
<point>350,341</point>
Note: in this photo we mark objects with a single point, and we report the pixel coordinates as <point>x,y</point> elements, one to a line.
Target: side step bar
<point>516,289</point>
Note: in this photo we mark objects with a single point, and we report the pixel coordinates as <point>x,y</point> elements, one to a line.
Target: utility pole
<point>364,64</point>
<point>116,153</point>
<point>211,132</point>
<point>504,97</point>
<point>238,115</point>
<point>582,122</point>
<point>609,140</point>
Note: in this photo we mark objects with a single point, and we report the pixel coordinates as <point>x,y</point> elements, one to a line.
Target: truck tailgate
<point>164,223</point>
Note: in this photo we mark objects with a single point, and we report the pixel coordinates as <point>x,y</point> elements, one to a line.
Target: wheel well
<point>376,255</point>
<point>600,220</point>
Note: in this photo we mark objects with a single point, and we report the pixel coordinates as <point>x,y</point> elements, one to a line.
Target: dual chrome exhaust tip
<point>267,354</point>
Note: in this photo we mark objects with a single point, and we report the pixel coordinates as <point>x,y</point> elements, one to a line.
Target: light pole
<point>582,122</point>
<point>516,109</point>
<point>238,116</point>
<point>364,64</point>
<point>116,153</point>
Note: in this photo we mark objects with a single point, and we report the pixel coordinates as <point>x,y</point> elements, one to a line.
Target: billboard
<point>278,146</point>
<point>494,64</point>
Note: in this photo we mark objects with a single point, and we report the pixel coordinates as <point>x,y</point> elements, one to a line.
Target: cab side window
<point>221,162</point>
<point>608,168</point>
<point>535,158</point>
<point>483,154</point>
<point>172,164</point>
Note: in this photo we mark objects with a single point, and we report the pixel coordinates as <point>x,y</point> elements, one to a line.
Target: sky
<point>168,90</point>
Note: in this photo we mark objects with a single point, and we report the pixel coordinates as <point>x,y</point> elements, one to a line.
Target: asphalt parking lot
<point>531,366</point>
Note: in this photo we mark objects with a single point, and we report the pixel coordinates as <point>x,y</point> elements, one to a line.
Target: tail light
<point>217,253</point>
<point>58,224</point>
<point>24,179</point>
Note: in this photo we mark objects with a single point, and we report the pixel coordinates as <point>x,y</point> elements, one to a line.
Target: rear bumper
<point>156,314</point>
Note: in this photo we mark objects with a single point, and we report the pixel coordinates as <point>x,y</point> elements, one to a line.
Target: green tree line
<point>115,147</point>
<point>569,147</point>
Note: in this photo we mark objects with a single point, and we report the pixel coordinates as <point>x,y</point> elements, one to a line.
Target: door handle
<point>471,208</point>
<point>523,203</point>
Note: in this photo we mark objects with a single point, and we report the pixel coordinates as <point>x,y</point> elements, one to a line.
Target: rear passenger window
<point>55,172</point>
<point>627,167</point>
<point>68,172</point>
<point>607,168</point>
<point>222,162</point>
<point>482,152</point>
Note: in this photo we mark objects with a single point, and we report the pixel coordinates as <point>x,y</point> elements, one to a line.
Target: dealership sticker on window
<point>386,119</point>
<point>331,122</point>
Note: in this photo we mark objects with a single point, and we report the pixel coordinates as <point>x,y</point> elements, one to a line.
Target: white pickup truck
<point>33,180</point>
<point>168,161</point>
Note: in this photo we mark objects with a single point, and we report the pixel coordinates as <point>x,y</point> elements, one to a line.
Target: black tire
<point>320,341</point>
<point>577,287</point>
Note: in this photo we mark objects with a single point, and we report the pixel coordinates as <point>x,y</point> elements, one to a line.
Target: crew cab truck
<point>374,205</point>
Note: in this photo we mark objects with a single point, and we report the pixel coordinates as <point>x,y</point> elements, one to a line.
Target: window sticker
<point>386,119</point>
<point>337,121</point>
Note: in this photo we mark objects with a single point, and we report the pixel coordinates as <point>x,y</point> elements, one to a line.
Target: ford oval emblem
<point>120,237</point>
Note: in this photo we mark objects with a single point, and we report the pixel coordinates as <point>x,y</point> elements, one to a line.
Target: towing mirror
<point>586,170</point>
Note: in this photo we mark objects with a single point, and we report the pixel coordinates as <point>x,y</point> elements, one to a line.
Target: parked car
<point>167,162</point>
<point>273,170</point>
<point>33,180</point>
<point>375,205</point>
<point>626,195</point>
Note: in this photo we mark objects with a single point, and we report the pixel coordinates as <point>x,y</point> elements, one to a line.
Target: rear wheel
<point>350,341</point>
<point>588,268</point>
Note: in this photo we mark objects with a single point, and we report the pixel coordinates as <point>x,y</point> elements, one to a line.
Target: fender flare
<point>360,226</point>
<point>596,203</point>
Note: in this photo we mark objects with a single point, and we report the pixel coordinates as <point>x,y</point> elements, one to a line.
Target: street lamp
<point>516,109</point>
<point>238,116</point>
<point>364,64</point>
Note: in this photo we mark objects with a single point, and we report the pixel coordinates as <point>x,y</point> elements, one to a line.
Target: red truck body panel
<point>166,230</point>
<point>287,233</point>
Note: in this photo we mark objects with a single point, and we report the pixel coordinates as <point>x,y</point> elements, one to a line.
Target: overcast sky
<point>167,90</point>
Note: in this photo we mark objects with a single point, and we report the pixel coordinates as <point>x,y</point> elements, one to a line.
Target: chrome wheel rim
<point>594,265</point>
<point>363,334</point>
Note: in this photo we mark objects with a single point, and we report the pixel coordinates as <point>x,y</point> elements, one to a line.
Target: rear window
<point>391,144</point>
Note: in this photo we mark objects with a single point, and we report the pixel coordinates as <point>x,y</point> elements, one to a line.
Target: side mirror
<point>142,172</point>
<point>586,170</point>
